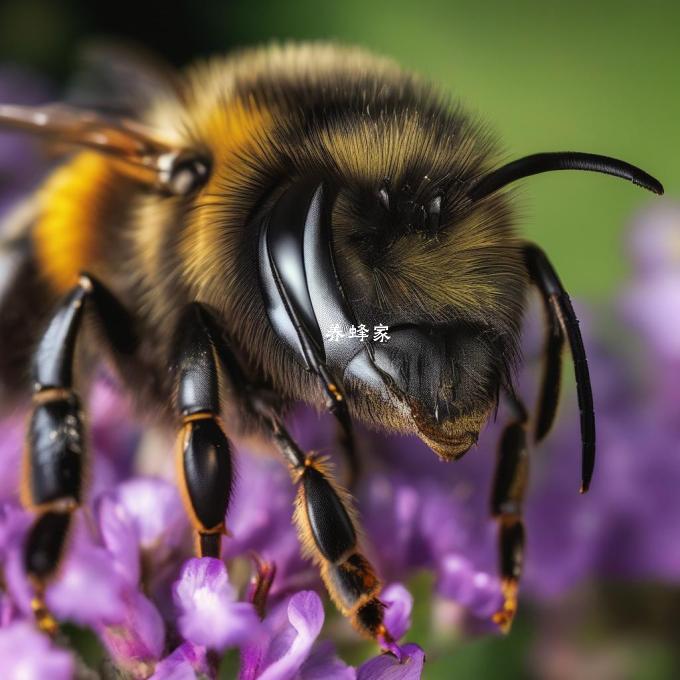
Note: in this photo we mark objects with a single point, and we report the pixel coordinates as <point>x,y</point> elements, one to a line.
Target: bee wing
<point>138,151</point>
<point>115,78</point>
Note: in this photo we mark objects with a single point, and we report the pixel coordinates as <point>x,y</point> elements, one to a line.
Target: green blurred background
<point>589,76</point>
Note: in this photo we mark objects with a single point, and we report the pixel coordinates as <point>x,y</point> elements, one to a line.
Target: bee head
<point>407,306</point>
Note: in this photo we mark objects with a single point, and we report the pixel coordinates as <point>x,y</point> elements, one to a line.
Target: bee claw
<point>44,620</point>
<point>504,617</point>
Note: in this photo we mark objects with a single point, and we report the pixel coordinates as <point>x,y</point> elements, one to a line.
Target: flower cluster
<point>159,612</point>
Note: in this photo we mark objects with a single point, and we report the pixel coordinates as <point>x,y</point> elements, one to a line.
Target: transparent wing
<point>119,79</point>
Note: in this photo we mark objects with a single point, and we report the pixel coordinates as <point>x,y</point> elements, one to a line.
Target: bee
<point>211,226</point>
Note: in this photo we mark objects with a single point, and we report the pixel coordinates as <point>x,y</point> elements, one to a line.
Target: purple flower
<point>88,591</point>
<point>651,305</point>
<point>476,590</point>
<point>285,648</point>
<point>137,640</point>
<point>26,654</point>
<point>142,517</point>
<point>626,524</point>
<point>185,663</point>
<point>388,667</point>
<point>398,613</point>
<point>209,614</point>
<point>433,519</point>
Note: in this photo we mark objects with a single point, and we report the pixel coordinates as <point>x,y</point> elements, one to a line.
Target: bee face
<point>412,252</point>
<point>447,278</point>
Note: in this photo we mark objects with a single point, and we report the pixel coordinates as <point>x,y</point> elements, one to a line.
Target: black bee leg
<point>53,467</point>
<point>327,528</point>
<point>507,495</point>
<point>562,323</point>
<point>549,390</point>
<point>204,453</point>
<point>337,405</point>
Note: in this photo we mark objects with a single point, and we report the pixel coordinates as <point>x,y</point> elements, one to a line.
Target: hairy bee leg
<point>55,443</point>
<point>561,312</point>
<point>507,495</point>
<point>204,453</point>
<point>328,534</point>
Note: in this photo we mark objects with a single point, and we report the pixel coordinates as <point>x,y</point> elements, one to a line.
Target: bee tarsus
<point>507,497</point>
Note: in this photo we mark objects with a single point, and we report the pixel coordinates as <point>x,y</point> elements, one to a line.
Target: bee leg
<point>549,390</point>
<point>327,529</point>
<point>203,453</point>
<point>561,314</point>
<point>55,443</point>
<point>507,495</point>
<point>337,405</point>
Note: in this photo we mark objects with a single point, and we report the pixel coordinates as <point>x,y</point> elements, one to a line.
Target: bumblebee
<point>208,228</point>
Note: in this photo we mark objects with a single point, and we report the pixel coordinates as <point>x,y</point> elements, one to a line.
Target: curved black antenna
<point>561,160</point>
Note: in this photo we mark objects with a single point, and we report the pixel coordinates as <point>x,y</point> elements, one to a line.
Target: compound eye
<point>434,210</point>
<point>187,174</point>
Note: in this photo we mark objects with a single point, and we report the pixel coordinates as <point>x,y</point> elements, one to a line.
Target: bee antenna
<point>561,160</point>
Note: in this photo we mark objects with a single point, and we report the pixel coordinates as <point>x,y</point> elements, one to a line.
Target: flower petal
<point>209,614</point>
<point>184,663</point>
<point>323,664</point>
<point>387,666</point>
<point>88,590</point>
<point>140,637</point>
<point>399,605</point>
<point>155,509</point>
<point>306,616</point>
<point>119,538</point>
<point>26,654</point>
<point>479,592</point>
